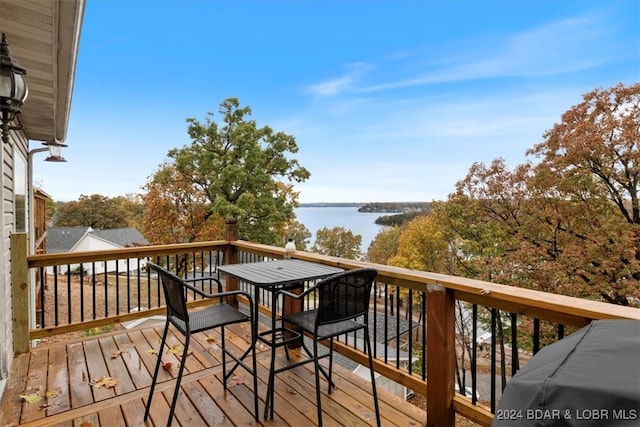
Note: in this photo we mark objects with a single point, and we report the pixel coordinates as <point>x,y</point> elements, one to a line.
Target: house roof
<point>64,239</point>
<point>44,37</point>
<point>125,237</point>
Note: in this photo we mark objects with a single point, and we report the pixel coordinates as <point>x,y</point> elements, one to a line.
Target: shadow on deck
<point>67,376</point>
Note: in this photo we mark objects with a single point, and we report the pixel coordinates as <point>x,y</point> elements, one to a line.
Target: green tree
<point>300,235</point>
<point>338,242</point>
<point>384,245</point>
<point>95,211</point>
<point>240,170</point>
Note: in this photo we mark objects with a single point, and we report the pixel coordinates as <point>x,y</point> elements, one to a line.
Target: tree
<point>590,172</point>
<point>384,245</point>
<point>235,170</point>
<point>300,235</point>
<point>176,212</point>
<point>134,207</point>
<point>568,224</point>
<point>421,246</point>
<point>95,211</point>
<point>338,242</point>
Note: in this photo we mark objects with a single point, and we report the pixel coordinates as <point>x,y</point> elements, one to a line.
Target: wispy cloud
<point>562,46</point>
<point>342,83</point>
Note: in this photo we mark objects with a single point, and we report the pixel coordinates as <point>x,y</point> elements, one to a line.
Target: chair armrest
<point>217,294</point>
<point>203,278</point>
<point>296,296</point>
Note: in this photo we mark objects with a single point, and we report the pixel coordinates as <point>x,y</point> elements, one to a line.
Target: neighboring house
<point>81,239</point>
<point>43,37</point>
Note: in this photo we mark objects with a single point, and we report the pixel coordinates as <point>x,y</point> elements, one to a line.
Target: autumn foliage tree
<point>568,224</point>
<point>233,169</point>
<point>339,242</point>
<point>97,211</point>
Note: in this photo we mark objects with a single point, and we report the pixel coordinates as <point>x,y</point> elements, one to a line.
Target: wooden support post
<point>441,353</point>
<point>231,256</point>
<point>20,293</point>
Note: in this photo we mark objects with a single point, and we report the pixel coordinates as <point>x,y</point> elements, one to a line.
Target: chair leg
<point>254,341</point>
<point>373,376</point>
<point>179,379</point>
<point>268,408</point>
<point>155,372</point>
<point>329,378</point>
<point>316,365</point>
<point>224,359</point>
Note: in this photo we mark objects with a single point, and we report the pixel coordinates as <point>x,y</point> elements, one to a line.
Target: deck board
<point>125,355</point>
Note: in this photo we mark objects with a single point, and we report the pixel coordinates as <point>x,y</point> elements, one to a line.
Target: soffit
<point>43,36</point>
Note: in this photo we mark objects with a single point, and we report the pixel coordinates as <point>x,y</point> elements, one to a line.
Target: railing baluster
<point>474,353</point>
<point>494,315</point>
<point>515,359</point>
<point>55,295</point>
<point>69,305</point>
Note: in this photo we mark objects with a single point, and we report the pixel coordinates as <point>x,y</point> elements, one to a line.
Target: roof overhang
<point>44,37</point>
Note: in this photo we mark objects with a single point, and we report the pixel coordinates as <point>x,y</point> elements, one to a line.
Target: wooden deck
<point>67,374</point>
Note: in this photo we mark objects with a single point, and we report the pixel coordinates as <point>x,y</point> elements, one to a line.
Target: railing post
<point>231,255</point>
<point>440,356</point>
<point>20,293</point>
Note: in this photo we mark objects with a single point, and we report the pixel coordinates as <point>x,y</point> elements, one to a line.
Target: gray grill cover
<point>590,378</point>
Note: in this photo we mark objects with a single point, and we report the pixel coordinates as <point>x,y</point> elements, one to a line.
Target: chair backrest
<point>345,295</point>
<point>174,293</point>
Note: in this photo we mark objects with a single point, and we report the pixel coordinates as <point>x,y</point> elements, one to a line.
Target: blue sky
<point>388,100</point>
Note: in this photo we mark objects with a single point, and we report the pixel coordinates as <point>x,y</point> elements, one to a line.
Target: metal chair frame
<point>343,307</point>
<point>216,315</point>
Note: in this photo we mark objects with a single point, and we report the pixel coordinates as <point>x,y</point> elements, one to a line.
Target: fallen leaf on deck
<point>116,354</point>
<point>210,339</point>
<point>86,424</point>
<point>291,391</point>
<point>50,394</point>
<point>152,351</point>
<point>235,380</point>
<point>175,349</point>
<point>32,397</point>
<point>84,376</point>
<point>106,382</point>
<point>167,366</point>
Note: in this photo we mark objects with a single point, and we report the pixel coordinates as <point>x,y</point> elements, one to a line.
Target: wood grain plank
<point>140,376</point>
<point>58,380</point>
<point>112,417</point>
<point>97,370</point>
<point>228,402</point>
<point>206,405</point>
<point>36,383</point>
<point>11,407</point>
<point>87,420</point>
<point>116,366</point>
<point>133,411</point>
<point>144,347</point>
<point>79,389</point>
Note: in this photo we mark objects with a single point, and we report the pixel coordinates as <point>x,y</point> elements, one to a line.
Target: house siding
<point>17,141</point>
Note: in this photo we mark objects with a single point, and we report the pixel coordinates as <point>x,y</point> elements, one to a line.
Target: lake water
<point>362,223</point>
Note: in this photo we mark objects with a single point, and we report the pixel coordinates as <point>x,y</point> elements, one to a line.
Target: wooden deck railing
<point>119,289</point>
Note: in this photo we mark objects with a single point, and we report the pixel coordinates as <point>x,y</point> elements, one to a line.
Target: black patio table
<point>273,276</point>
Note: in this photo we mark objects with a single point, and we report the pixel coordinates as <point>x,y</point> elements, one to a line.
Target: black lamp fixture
<point>55,151</point>
<point>13,89</point>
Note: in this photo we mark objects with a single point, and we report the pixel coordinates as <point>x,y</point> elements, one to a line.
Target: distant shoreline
<point>403,208</point>
<point>332,205</point>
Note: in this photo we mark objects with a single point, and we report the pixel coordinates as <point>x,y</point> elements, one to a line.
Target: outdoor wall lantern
<point>13,89</point>
<point>55,151</point>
